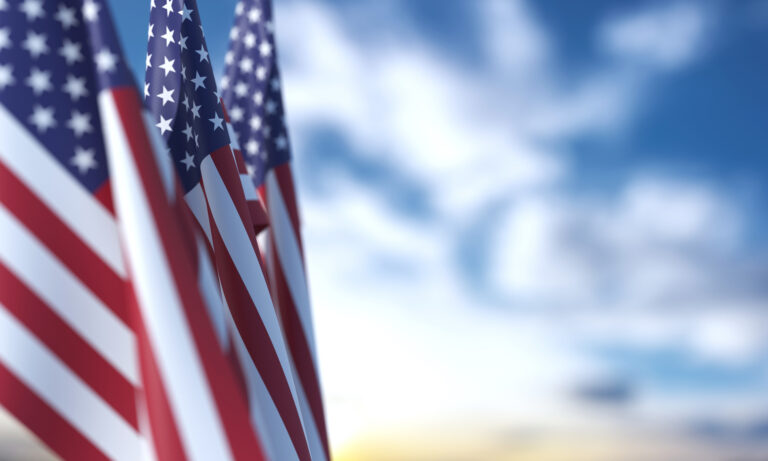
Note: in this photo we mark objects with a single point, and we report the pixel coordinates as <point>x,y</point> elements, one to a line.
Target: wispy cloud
<point>492,299</point>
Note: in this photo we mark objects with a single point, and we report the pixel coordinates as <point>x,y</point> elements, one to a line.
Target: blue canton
<point>251,89</point>
<point>55,56</point>
<point>180,89</point>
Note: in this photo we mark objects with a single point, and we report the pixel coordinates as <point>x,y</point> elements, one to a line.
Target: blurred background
<point>534,229</point>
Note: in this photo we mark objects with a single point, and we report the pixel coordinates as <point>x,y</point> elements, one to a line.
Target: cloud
<point>670,35</point>
<point>411,329</point>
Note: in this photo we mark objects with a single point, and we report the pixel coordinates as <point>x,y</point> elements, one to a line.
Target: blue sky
<point>528,205</point>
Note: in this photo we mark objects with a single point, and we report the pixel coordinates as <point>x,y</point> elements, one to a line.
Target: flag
<point>251,89</point>
<point>108,348</point>
<point>181,92</point>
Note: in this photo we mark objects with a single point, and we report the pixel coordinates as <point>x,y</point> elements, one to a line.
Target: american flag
<point>108,345</point>
<point>252,91</point>
<point>181,91</point>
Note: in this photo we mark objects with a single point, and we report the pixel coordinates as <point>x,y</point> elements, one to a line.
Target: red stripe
<point>258,215</point>
<point>104,195</point>
<point>230,403</point>
<point>83,262</point>
<point>258,343</point>
<point>241,168</point>
<point>53,430</point>
<point>67,345</point>
<point>298,345</point>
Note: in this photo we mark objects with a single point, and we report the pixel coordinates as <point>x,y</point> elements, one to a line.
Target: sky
<point>527,221</point>
<point>533,228</point>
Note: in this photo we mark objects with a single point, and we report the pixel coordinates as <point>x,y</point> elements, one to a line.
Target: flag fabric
<point>181,92</point>
<point>251,90</point>
<point>108,340</point>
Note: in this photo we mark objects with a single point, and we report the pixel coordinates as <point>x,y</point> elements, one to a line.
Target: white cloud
<point>401,337</point>
<point>669,35</point>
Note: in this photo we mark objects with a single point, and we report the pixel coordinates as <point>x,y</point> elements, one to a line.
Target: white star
<point>246,65</point>
<point>255,122</point>
<point>225,82</point>
<point>188,161</point>
<point>197,143</point>
<point>105,60</point>
<point>5,38</point>
<point>3,5</point>
<point>198,80</point>
<point>188,132</point>
<point>241,89</point>
<point>42,118</point>
<point>168,36</point>
<point>146,90</point>
<point>164,125</point>
<point>83,160</point>
<point>233,33</point>
<point>249,40</point>
<point>166,95</point>
<point>258,98</point>
<point>252,147</point>
<point>185,13</point>
<point>167,65</point>
<point>75,87</point>
<point>236,114</point>
<point>71,51</point>
<point>168,7</point>
<point>185,101</point>
<point>266,131</point>
<point>91,10</point>
<point>33,9</point>
<point>203,54</point>
<point>281,142</point>
<point>265,49</point>
<point>39,81</point>
<point>261,72</point>
<point>35,44</point>
<point>217,121</point>
<point>195,110</point>
<point>270,107</point>
<point>80,123</point>
<point>183,42</point>
<point>229,58</point>
<point>152,4</point>
<point>66,16</point>
<point>275,83</point>
<point>239,8</point>
<point>254,15</point>
<point>149,61</point>
<point>6,76</point>
<point>251,169</point>
<point>151,31</point>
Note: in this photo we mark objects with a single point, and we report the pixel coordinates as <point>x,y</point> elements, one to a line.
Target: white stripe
<point>314,440</point>
<point>249,188</point>
<point>209,289</point>
<point>195,199</point>
<point>274,437</point>
<point>289,257</point>
<point>240,250</point>
<point>52,183</point>
<point>42,372</point>
<point>163,158</point>
<point>66,295</point>
<point>172,344</point>
<point>233,141</point>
